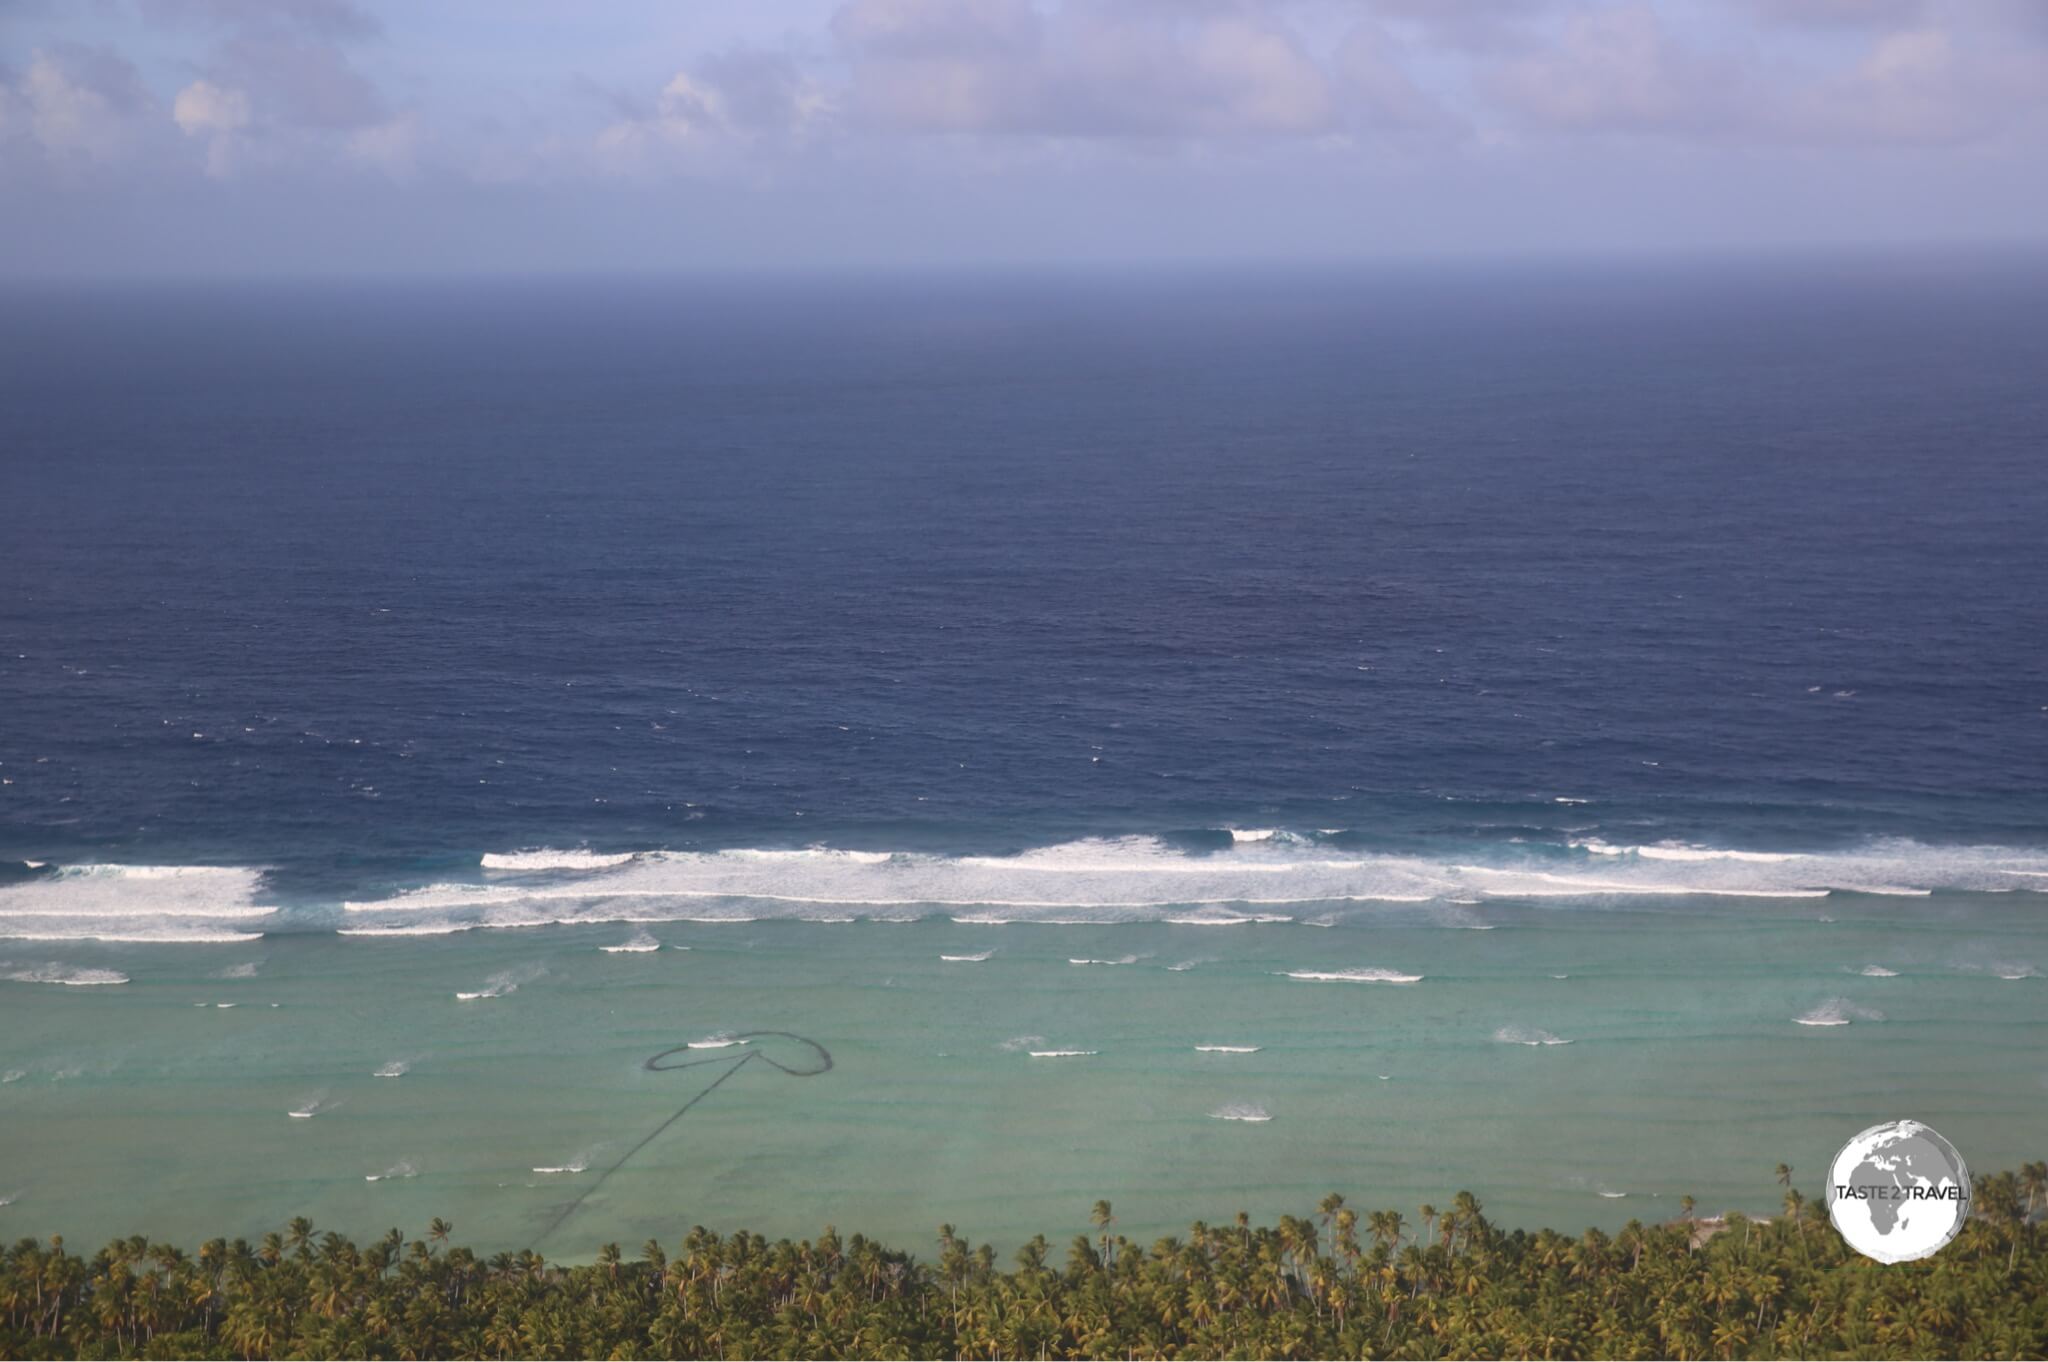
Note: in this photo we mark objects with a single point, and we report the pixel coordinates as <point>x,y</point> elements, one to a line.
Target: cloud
<point>204,108</point>
<point>217,114</point>
<point>77,105</point>
<point>1616,70</point>
<point>748,101</point>
<point>1090,69</point>
<point>306,81</point>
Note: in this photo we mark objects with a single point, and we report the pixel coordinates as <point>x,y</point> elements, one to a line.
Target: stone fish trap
<point>819,1061</point>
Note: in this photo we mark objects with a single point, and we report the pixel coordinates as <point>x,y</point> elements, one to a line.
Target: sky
<point>274,137</point>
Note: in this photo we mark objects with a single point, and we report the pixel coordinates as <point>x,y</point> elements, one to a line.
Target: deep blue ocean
<point>359,581</point>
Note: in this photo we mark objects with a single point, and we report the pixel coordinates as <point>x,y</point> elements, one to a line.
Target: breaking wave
<point>142,903</point>
<point>1354,976</point>
<point>640,943</point>
<point>502,983</point>
<point>1517,1034</point>
<point>544,858</point>
<point>1234,878</point>
<point>404,1168</point>
<point>1241,1111</point>
<point>76,976</point>
<point>1838,1012</point>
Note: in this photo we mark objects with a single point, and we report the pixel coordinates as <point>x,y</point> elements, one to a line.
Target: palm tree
<point>1102,1218</point>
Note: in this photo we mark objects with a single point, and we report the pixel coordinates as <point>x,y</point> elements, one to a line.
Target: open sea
<point>1203,741</point>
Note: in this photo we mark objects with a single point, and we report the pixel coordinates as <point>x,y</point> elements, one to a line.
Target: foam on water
<point>1354,976</point>
<point>502,983</point>
<point>397,1068</point>
<point>1062,1054</point>
<point>1262,876</point>
<point>546,858</point>
<point>1140,878</point>
<point>76,976</point>
<point>639,943</point>
<point>139,903</point>
<point>1517,1034</point>
<point>974,959</point>
<point>1120,960</point>
<point>1241,1111</point>
<point>404,1168</point>
<point>13,1076</point>
<point>1016,1043</point>
<point>1838,1012</point>
<point>1878,972</point>
<point>721,1041</point>
<point>245,970</point>
<point>576,1163</point>
<point>1228,1049</point>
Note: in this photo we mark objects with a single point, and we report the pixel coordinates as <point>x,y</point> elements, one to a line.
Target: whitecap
<point>1517,1034</point>
<point>1120,960</point>
<point>1614,1196</point>
<point>1229,1049</point>
<point>721,1041</point>
<point>245,970</point>
<point>1354,976</point>
<point>1241,1111</point>
<point>1016,1043</point>
<point>974,959</point>
<point>1062,1054</point>
<point>1143,879</point>
<point>397,1171</point>
<point>1878,972</point>
<point>74,976</point>
<point>1837,1012</point>
<point>13,1076</point>
<point>547,858</point>
<point>396,1068</point>
<point>638,944</point>
<point>141,903</point>
<point>502,983</point>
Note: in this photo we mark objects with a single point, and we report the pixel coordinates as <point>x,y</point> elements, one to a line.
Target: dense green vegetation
<point>1334,1284</point>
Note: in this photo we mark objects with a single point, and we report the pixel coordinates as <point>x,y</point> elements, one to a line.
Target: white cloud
<point>203,109</point>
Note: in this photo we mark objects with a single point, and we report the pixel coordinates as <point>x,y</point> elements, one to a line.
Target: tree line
<point>1442,1283</point>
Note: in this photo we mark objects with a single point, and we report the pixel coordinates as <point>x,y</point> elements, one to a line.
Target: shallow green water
<point>144,1107</point>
